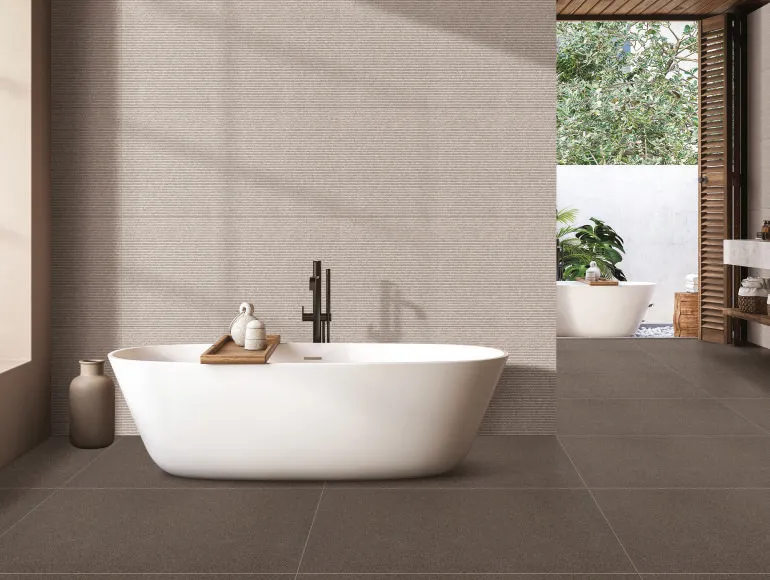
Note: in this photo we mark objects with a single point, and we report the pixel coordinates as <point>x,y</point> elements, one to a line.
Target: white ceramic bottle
<point>593,273</point>
<point>238,326</point>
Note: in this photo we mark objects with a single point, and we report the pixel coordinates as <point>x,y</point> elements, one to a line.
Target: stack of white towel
<point>691,283</point>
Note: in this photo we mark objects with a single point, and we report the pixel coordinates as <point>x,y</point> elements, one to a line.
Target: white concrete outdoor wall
<point>654,208</point>
<point>759,138</point>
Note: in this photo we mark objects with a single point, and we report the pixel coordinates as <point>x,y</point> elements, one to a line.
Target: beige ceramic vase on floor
<point>92,407</point>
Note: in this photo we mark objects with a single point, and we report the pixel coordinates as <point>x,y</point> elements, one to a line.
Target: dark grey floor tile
<point>705,576</point>
<point>498,462</point>
<point>593,345</point>
<point>671,461</point>
<point>700,531</point>
<point>612,362</point>
<point>653,383</point>
<point>128,465</point>
<point>16,503</point>
<point>50,464</point>
<point>649,417</point>
<point>689,351</point>
<point>182,531</point>
<point>755,410</point>
<point>723,371</point>
<point>725,384</point>
<point>470,577</point>
<point>146,576</point>
<point>471,531</point>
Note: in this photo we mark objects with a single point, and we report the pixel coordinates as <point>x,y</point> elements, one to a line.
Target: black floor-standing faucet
<point>321,321</point>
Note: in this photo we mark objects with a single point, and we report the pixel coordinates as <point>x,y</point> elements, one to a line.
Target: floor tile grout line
<point>53,492</point>
<point>742,398</point>
<point>395,574</point>
<point>634,398</point>
<point>681,374</point>
<point>404,487</point>
<point>683,488</point>
<point>712,397</point>
<point>26,515</point>
<point>742,416</point>
<point>310,531</point>
<point>662,435</point>
<point>598,507</point>
<point>94,460</point>
<point>391,488</point>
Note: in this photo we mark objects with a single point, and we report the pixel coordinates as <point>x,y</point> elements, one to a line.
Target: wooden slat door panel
<point>714,215</point>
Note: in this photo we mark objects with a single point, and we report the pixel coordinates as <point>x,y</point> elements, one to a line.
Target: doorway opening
<point>627,179</point>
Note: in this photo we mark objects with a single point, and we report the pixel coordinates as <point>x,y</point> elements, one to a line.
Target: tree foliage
<point>627,94</point>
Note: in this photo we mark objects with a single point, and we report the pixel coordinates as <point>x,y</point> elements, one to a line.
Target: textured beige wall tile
<point>207,151</point>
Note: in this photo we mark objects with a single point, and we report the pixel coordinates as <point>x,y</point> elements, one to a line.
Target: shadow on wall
<point>393,306</point>
<point>85,199</point>
<point>513,402</point>
<point>13,88</point>
<point>471,20</point>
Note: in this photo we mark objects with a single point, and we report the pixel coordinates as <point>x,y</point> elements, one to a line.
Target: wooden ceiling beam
<point>689,6</point>
<point>601,6</point>
<point>645,6</point>
<point>573,7</point>
<point>680,9</point>
<point>659,7</point>
<point>718,6</point>
<point>626,7</point>
<point>589,5</point>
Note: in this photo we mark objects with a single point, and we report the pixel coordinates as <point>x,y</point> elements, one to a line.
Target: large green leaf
<point>577,247</point>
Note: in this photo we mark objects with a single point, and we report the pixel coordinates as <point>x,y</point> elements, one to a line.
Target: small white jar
<point>593,273</point>
<point>256,336</point>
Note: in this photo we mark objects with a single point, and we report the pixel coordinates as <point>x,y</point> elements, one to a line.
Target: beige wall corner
<point>759,138</point>
<point>24,86</point>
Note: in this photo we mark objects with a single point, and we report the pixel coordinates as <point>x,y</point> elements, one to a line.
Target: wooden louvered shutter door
<point>715,160</point>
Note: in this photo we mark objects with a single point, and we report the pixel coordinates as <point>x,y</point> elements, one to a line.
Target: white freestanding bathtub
<point>601,311</point>
<point>315,411</point>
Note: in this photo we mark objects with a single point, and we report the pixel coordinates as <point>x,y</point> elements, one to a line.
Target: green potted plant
<point>578,246</point>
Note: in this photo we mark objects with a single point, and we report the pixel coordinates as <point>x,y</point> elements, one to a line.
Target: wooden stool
<point>686,314</point>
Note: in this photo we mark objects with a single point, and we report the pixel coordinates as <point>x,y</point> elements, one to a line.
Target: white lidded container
<point>256,336</point>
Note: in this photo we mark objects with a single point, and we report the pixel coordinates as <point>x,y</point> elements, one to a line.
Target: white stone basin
<point>748,253</point>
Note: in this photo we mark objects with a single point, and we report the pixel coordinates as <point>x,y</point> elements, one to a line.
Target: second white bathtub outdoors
<point>601,311</point>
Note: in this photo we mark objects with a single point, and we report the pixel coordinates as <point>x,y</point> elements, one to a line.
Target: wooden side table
<point>686,314</point>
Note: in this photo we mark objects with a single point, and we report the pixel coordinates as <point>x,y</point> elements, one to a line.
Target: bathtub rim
<point>501,355</point>
<point>577,284</point>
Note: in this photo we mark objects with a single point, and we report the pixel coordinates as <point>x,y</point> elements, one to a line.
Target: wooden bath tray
<point>226,352</point>
<point>598,282</point>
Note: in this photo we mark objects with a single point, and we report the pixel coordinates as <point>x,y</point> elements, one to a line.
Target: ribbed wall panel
<point>206,151</point>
